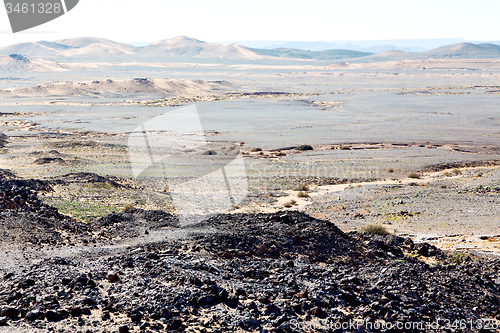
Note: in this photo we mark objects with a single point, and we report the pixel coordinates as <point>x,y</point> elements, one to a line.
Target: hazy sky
<point>311,20</point>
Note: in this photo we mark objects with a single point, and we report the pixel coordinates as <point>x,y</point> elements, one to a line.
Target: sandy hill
<point>187,48</point>
<point>464,51</point>
<point>132,86</point>
<point>393,55</point>
<point>183,46</point>
<point>86,41</point>
<point>98,50</point>
<point>83,47</point>
<point>316,55</point>
<point>18,63</point>
<point>55,45</point>
<point>38,49</point>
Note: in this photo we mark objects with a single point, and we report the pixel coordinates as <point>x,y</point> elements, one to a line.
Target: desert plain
<point>356,165</point>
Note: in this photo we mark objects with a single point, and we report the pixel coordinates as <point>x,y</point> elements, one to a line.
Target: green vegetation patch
<point>82,211</point>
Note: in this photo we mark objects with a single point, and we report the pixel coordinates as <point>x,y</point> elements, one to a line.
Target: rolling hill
<point>20,63</point>
<point>464,51</point>
<point>178,47</point>
<point>84,47</point>
<point>189,49</point>
<point>38,49</point>
<point>313,55</point>
<point>183,46</point>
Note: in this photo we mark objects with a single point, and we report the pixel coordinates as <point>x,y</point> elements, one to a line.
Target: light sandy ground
<point>329,88</point>
<point>316,191</point>
<point>489,243</point>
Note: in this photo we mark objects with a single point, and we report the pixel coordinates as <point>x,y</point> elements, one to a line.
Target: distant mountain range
<point>186,48</point>
<point>375,46</point>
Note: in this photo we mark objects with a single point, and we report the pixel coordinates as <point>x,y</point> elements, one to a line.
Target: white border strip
<point>64,6</point>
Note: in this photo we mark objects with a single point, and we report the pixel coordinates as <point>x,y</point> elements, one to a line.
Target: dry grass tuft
<point>303,194</point>
<point>127,207</point>
<point>375,229</point>
<point>301,187</point>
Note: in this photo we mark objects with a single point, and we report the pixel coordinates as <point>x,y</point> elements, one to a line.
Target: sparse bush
<point>375,229</point>
<point>127,207</point>
<point>254,150</point>
<point>280,154</point>
<point>338,208</point>
<point>414,175</point>
<point>457,171</point>
<point>301,187</point>
<point>302,194</point>
<point>390,170</point>
<point>209,152</point>
<point>290,203</point>
<point>457,258</point>
<point>345,148</point>
<point>304,147</point>
<point>443,186</point>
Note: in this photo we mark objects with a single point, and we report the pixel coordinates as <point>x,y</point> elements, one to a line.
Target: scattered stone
<point>123,329</point>
<point>113,277</point>
<point>9,313</point>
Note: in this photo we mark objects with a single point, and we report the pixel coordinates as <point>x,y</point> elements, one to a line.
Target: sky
<point>277,20</point>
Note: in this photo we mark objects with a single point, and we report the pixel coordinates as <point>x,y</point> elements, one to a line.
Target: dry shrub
<point>414,175</point>
<point>301,187</point>
<point>304,147</point>
<point>127,207</point>
<point>375,229</point>
<point>302,194</point>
